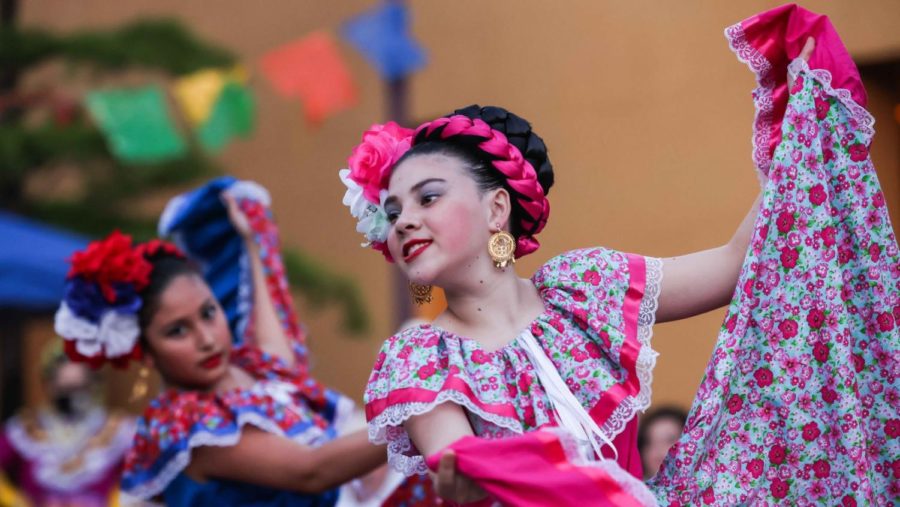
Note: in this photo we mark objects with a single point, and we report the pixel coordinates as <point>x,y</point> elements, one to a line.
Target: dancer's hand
<point>236,215</point>
<point>808,48</point>
<point>805,53</point>
<point>454,486</point>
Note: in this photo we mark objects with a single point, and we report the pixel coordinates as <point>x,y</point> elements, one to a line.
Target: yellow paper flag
<point>197,93</point>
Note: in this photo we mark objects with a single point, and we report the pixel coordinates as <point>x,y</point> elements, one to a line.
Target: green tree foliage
<point>66,135</point>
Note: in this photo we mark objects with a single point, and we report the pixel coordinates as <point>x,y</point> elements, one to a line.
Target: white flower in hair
<point>118,332</point>
<point>371,219</point>
<point>115,335</point>
<point>72,327</point>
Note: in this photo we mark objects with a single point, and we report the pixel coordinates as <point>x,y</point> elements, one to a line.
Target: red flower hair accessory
<point>112,260</point>
<point>98,317</point>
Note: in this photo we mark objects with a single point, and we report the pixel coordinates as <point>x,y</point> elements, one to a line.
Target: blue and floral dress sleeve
<point>281,402</point>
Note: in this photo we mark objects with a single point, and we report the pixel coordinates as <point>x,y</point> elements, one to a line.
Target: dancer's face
<point>661,435</point>
<point>441,220</point>
<point>187,338</point>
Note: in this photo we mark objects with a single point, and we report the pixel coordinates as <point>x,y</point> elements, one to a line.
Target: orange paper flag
<point>312,68</point>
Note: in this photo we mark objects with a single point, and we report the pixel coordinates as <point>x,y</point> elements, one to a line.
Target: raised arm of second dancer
<point>705,280</point>
<point>268,332</point>
<point>270,460</point>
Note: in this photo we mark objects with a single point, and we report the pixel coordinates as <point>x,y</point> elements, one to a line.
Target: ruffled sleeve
<point>611,297</point>
<point>176,422</point>
<point>417,370</point>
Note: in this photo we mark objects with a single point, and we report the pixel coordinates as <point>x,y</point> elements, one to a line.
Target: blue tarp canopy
<point>33,262</point>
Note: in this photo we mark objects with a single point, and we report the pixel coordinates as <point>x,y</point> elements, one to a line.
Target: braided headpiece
<point>367,179</point>
<point>98,316</point>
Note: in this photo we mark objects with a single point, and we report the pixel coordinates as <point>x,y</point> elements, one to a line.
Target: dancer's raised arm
<point>268,333</point>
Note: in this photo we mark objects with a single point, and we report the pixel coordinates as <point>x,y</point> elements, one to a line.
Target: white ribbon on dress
<point>570,414</point>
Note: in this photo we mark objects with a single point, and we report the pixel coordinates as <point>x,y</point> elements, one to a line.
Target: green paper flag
<point>137,124</point>
<point>232,115</point>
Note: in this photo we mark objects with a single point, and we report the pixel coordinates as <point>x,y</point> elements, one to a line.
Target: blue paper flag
<point>382,36</point>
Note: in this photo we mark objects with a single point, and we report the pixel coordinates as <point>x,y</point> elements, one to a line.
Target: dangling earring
<point>141,385</point>
<point>421,294</point>
<point>502,249</point>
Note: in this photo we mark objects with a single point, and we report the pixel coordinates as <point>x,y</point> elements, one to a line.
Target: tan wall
<point>646,112</point>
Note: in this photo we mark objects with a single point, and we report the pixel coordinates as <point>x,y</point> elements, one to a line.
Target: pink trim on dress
<point>418,395</point>
<point>631,347</point>
<point>767,42</point>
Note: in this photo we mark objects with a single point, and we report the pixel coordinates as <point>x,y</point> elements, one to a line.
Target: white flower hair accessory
<point>366,180</point>
<point>371,219</point>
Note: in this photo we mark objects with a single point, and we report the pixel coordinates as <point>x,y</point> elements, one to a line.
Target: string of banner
<point>218,105</point>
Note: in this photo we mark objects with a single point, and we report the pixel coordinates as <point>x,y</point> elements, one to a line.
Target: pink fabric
<point>626,445</point>
<point>767,42</point>
<point>415,395</point>
<point>507,468</point>
<point>612,398</point>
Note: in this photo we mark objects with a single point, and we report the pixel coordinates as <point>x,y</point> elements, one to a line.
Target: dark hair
<point>479,163</point>
<point>166,267</point>
<point>666,412</point>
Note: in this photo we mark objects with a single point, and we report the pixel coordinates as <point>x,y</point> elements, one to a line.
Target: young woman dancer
<point>234,426</point>
<point>454,202</point>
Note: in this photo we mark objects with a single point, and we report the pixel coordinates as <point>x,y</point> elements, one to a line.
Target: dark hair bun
<point>520,135</point>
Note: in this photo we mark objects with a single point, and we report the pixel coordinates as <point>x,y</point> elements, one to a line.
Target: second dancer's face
<point>188,337</point>
<point>439,219</point>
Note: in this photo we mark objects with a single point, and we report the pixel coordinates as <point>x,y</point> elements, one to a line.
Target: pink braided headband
<point>373,160</point>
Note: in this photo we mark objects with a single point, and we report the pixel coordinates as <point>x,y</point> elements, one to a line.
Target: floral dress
<point>598,313</point>
<point>280,402</point>
<point>800,401</point>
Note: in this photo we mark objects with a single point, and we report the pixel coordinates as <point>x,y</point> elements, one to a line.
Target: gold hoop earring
<point>421,294</point>
<point>502,249</point>
<point>141,385</point>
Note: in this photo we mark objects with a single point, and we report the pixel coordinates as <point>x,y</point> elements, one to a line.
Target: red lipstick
<point>413,248</point>
<point>212,362</point>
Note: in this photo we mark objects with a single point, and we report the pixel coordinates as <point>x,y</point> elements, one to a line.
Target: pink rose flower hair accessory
<point>366,180</point>
<point>517,158</point>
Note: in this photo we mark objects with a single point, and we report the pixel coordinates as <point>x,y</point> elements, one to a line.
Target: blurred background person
<point>658,432</point>
<point>69,451</point>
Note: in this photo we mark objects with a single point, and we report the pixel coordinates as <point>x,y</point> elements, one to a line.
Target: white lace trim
<point>387,427</point>
<point>864,119</point>
<point>312,436</point>
<point>762,94</point>
<point>646,360</point>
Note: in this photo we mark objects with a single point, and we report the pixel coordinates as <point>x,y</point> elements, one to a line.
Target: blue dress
<point>283,401</point>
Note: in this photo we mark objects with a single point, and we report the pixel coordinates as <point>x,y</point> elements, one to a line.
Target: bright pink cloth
<point>767,42</point>
<point>533,470</point>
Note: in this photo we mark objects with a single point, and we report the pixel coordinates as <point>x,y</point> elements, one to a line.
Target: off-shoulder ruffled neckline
<point>510,344</point>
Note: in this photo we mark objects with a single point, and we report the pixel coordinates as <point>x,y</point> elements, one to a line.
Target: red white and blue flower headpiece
<point>98,317</point>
